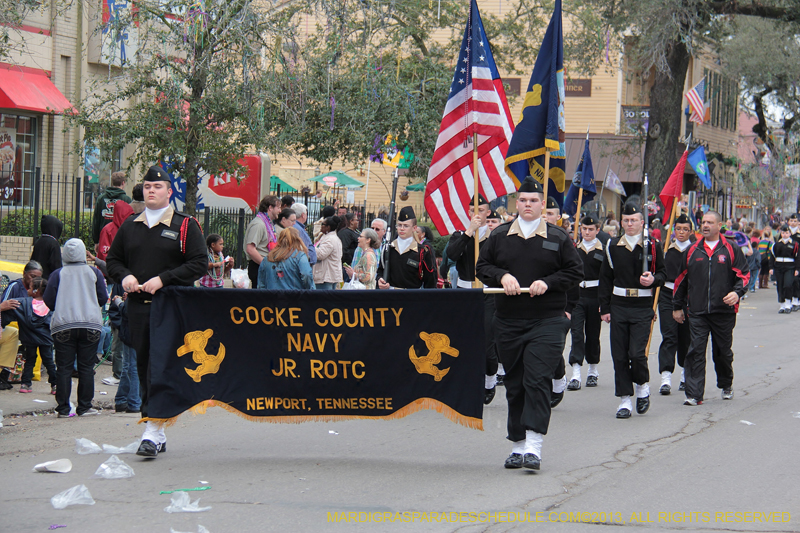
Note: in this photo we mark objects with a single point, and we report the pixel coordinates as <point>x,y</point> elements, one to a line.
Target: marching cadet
<point>714,272</point>
<point>794,228</point>
<point>530,329</point>
<point>552,214</point>
<point>493,220</point>
<point>586,321</point>
<point>675,337</point>
<point>784,267</point>
<point>461,249</point>
<point>158,248</point>
<point>626,301</point>
<point>411,264</point>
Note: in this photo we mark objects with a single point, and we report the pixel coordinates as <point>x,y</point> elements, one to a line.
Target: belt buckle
<point>632,293</point>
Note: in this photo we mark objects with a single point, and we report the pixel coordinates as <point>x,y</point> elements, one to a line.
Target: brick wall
<point>17,249</point>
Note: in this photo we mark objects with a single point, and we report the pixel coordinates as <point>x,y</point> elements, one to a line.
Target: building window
<point>18,140</point>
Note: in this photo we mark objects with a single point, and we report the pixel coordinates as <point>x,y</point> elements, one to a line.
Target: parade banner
<point>299,356</point>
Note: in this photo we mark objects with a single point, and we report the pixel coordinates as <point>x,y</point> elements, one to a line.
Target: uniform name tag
<point>599,256</point>
<point>547,245</point>
<point>170,234</point>
<point>412,263</point>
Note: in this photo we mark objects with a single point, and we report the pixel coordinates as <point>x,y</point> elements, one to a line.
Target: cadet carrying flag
<point>542,126</point>
<point>698,161</point>
<point>583,179</point>
<point>476,104</point>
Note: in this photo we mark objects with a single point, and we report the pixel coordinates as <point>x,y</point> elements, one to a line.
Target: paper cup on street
<point>60,466</point>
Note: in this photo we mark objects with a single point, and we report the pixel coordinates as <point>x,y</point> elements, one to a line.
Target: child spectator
<point>218,265</point>
<point>75,294</point>
<point>33,318</point>
<point>127,399</point>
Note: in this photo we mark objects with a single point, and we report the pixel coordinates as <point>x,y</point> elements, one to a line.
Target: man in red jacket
<point>714,271</point>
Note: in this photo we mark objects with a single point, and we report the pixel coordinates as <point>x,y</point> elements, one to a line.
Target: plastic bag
<point>85,447</point>
<point>200,529</point>
<point>182,504</point>
<point>60,466</point>
<point>114,468</point>
<point>77,495</point>
<point>240,279</point>
<point>354,285</point>
<point>130,448</point>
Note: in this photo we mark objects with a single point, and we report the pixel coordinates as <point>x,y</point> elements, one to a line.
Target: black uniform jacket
<point>783,250</point>
<point>705,280</point>
<point>461,249</point>
<point>158,251</point>
<point>547,254</point>
<point>622,268</point>
<point>414,269</point>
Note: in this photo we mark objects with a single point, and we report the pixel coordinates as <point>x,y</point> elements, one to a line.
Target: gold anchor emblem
<point>195,343</point>
<point>437,344</point>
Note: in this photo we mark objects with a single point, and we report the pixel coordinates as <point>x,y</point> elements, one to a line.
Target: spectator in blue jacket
<point>286,267</point>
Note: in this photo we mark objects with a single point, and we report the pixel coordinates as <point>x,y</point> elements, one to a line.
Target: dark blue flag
<point>542,126</point>
<point>583,179</point>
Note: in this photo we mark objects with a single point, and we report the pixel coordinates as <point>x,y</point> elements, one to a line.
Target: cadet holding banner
<point>530,329</point>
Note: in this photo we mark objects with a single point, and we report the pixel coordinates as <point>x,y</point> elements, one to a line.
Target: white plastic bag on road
<point>60,466</point>
<point>182,504</point>
<point>85,447</point>
<point>77,495</point>
<point>114,468</point>
<point>130,448</point>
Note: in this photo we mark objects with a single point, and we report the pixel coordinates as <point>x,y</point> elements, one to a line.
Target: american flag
<point>696,97</point>
<point>476,104</point>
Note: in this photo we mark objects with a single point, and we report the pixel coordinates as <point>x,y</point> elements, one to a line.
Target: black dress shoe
<point>682,386</point>
<point>642,405</point>
<point>574,384</point>
<point>488,396</point>
<point>591,381</point>
<point>665,389</point>
<point>624,413</point>
<point>555,398</point>
<point>514,461</point>
<point>120,408</point>
<point>148,448</point>
<point>500,379</point>
<point>162,447</point>
<point>530,460</point>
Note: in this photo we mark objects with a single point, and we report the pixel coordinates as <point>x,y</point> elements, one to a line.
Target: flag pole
<point>475,284</point>
<point>578,214</point>
<point>546,178</point>
<point>603,185</point>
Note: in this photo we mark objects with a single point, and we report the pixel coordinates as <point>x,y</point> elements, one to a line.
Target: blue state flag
<point>542,125</point>
<point>698,161</point>
<point>583,179</point>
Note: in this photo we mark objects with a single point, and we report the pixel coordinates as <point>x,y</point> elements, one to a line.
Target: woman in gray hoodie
<point>75,293</point>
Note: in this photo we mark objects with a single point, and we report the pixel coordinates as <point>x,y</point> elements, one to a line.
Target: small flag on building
<point>696,98</point>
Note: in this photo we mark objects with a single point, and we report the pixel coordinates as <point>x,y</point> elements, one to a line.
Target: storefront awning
<point>30,90</point>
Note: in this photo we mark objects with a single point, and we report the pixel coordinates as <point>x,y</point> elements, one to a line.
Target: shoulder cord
<point>422,261</point>
<point>185,231</point>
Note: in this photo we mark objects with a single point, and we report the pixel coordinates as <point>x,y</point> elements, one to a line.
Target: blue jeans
<point>105,340</point>
<point>324,286</point>
<point>128,388</point>
<point>751,285</point>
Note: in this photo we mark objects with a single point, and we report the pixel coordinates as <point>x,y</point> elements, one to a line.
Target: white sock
<point>162,435</point>
<point>683,375</point>
<point>152,432</point>
<point>576,372</point>
<point>518,447</point>
<point>533,443</point>
<point>642,391</point>
<point>559,384</point>
<point>490,381</point>
<point>795,301</point>
<point>593,371</point>
<point>666,377</point>
<point>500,370</point>
<point>625,403</point>
<point>787,304</point>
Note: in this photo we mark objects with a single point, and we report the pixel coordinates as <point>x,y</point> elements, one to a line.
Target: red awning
<point>30,90</point>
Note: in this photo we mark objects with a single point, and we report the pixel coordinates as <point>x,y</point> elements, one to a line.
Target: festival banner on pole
<point>299,356</point>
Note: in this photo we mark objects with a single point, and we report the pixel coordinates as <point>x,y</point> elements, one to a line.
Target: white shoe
<point>111,381</point>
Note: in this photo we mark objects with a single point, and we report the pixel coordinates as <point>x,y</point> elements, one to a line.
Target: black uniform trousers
<point>785,277</point>
<point>720,326</point>
<point>139,322</point>
<point>675,337</point>
<point>585,329</point>
<point>630,328</point>
<point>530,350</point>
<point>488,326</point>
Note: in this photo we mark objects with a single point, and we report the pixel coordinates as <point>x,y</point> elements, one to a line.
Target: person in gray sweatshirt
<point>75,293</point>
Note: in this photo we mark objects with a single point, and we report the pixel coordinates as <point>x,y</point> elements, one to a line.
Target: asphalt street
<point>676,468</point>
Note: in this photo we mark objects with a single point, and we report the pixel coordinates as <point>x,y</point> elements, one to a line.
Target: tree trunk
<point>661,150</point>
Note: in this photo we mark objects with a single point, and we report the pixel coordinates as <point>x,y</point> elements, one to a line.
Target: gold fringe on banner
<point>413,407</point>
